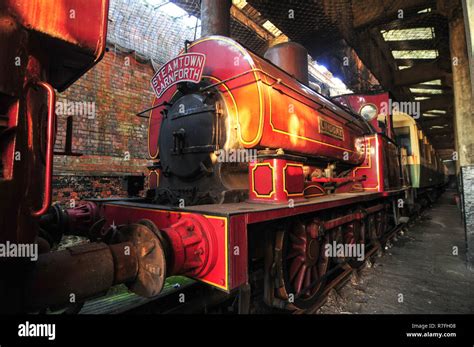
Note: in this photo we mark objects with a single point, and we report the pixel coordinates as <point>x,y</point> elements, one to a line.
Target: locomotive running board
<point>258,212</point>
<point>230,224</point>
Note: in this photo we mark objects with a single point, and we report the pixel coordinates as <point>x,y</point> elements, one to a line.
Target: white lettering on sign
<point>186,67</point>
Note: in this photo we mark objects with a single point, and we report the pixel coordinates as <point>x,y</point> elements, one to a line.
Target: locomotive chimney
<point>215,17</point>
<point>291,57</point>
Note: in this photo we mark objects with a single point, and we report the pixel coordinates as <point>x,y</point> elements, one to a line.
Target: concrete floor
<point>420,266</point>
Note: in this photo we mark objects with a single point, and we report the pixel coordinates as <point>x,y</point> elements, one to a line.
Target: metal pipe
<point>78,273</point>
<point>215,17</point>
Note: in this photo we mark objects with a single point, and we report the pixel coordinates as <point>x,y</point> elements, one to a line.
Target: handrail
<point>46,202</point>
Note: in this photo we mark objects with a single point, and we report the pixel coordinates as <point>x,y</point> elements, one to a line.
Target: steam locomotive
<point>315,172</point>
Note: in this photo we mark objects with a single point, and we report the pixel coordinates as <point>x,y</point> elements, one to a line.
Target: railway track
<point>123,301</point>
<point>184,296</point>
<point>190,297</point>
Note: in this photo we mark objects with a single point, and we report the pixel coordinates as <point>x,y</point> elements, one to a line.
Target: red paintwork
<point>375,208</point>
<point>275,180</point>
<point>269,107</point>
<point>296,132</point>
<point>381,101</point>
<point>82,217</point>
<point>262,181</point>
<point>231,233</point>
<point>194,246</point>
<point>209,264</point>
<point>294,179</point>
<point>84,28</point>
<point>310,208</point>
<point>238,255</point>
<point>313,189</point>
<point>371,167</point>
<point>381,166</point>
<point>81,24</point>
<point>54,50</point>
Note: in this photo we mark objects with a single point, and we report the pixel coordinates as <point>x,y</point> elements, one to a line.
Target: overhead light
<point>272,28</point>
<point>437,111</point>
<point>432,83</point>
<point>425,33</point>
<point>419,98</point>
<point>324,76</point>
<point>415,54</point>
<point>191,22</point>
<point>430,115</point>
<point>155,2</point>
<point>426,91</point>
<point>239,3</point>
<point>177,13</point>
<point>437,127</point>
<point>426,10</point>
<point>338,82</point>
<point>323,69</point>
<point>172,10</point>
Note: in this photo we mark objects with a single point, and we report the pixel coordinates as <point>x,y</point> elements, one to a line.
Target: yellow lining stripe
<point>274,129</point>
<point>284,179</point>
<point>368,148</point>
<point>253,180</point>
<point>251,62</point>
<point>226,239</point>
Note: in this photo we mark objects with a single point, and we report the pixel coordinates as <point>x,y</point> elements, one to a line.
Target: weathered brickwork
<point>111,138</point>
<point>71,189</point>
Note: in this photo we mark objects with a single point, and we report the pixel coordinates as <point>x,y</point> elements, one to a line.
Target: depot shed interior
<point>418,50</point>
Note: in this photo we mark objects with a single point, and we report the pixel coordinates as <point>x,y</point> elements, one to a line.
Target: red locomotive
<point>255,177</point>
<point>321,174</point>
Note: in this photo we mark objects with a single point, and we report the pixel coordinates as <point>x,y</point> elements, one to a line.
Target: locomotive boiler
<point>242,102</point>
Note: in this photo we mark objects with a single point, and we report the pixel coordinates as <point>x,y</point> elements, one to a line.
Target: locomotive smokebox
<point>292,58</point>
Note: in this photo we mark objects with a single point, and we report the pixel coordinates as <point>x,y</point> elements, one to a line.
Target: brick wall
<point>106,131</point>
<point>67,188</point>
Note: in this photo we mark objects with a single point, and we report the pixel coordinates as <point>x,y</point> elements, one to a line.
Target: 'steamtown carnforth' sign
<point>186,67</point>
